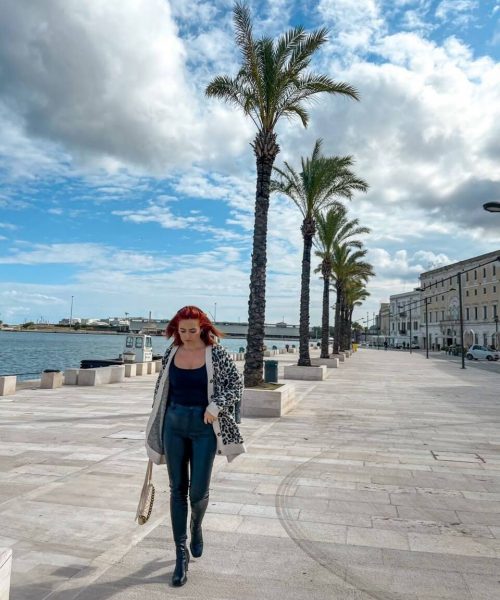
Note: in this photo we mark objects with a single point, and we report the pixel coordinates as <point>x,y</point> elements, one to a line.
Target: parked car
<point>477,352</point>
<point>415,346</point>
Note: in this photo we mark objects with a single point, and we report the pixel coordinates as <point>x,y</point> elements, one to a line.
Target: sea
<point>27,354</point>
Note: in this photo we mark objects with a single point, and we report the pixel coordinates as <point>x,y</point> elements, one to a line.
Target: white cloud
<point>354,24</point>
<point>107,82</point>
<point>458,12</point>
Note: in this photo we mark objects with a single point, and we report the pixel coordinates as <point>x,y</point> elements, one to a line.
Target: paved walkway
<point>384,483</point>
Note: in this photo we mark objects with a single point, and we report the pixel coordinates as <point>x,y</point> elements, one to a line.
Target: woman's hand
<point>208,418</point>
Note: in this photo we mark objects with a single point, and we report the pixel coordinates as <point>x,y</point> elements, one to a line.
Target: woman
<point>192,420</point>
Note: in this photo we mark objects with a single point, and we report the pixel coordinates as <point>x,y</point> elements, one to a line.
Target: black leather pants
<point>190,447</point>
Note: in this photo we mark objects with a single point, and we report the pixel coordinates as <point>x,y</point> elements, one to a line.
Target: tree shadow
<point>147,574</point>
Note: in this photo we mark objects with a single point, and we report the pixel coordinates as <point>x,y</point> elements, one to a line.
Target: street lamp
<point>492,206</point>
<point>495,318</point>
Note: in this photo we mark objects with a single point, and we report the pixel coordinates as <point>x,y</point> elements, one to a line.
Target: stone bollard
<point>150,368</point>
<point>130,369</point>
<point>51,380</point>
<point>8,385</point>
<point>71,376</point>
<point>141,369</point>
<point>117,374</point>
<point>5,569</point>
<point>93,377</point>
<point>157,366</point>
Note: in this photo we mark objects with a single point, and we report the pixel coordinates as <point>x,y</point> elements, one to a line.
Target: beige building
<point>383,319</point>
<point>480,277</point>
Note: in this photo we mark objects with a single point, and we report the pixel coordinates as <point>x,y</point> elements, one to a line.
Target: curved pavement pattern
<point>383,483</point>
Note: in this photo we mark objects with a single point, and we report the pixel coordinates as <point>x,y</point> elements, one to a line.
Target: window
<point>484,290</point>
<point>436,316</point>
<point>484,272</point>
<point>494,270</point>
<point>475,275</point>
<point>467,314</point>
<point>467,292</point>
<point>494,289</point>
<point>430,317</point>
<point>415,325</point>
<point>475,292</point>
<point>494,310</point>
<point>442,315</point>
<point>485,312</point>
<point>475,313</point>
<point>467,277</point>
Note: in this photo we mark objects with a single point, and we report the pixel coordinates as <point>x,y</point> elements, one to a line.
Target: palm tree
<point>355,294</point>
<point>321,180</point>
<point>272,82</point>
<point>346,265</point>
<point>334,228</point>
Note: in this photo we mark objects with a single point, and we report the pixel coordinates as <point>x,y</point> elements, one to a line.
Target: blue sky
<point>122,186</point>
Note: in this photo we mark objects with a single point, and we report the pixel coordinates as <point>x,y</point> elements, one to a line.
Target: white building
<point>404,319</point>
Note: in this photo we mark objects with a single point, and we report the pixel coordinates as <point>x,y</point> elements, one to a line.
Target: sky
<point>123,187</point>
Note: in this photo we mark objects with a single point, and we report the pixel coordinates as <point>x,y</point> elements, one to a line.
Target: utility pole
<point>71,313</point>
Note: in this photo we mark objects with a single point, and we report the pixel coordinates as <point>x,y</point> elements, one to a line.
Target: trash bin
<point>271,371</point>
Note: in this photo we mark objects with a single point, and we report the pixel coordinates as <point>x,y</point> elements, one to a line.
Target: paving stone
<point>305,514</point>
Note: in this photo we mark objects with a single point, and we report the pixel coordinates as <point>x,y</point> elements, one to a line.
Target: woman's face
<point>189,331</point>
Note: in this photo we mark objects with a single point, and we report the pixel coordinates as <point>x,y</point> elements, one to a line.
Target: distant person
<point>192,419</point>
<point>287,346</point>
<point>385,344</point>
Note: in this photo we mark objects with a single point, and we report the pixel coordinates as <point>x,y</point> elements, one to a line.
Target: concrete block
<point>340,356</point>
<point>267,352</point>
<point>130,370</point>
<point>330,363</point>
<point>117,374</point>
<point>51,381</point>
<point>141,368</point>
<point>268,403</point>
<point>8,385</point>
<point>71,376</point>
<point>5,570</point>
<point>305,373</point>
<point>157,364</point>
<point>98,376</point>
<point>149,368</point>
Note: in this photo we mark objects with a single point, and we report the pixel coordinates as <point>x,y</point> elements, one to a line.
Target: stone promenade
<point>383,483</point>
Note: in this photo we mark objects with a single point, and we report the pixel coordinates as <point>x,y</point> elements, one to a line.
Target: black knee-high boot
<point>178,513</point>
<point>181,565</point>
<point>198,510</point>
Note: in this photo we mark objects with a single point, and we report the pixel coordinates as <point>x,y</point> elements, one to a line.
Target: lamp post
<point>461,310</point>
<point>495,318</point>
<point>492,206</point>
<point>71,313</point>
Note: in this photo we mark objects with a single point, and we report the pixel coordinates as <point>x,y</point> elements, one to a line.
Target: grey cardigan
<point>224,390</point>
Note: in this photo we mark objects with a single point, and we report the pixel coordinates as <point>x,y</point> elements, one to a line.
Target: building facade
<point>404,319</point>
<point>480,279</point>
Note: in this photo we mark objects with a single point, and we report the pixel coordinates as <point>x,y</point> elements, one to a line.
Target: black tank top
<point>188,387</point>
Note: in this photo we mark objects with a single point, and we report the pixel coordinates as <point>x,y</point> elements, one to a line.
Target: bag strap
<point>149,472</point>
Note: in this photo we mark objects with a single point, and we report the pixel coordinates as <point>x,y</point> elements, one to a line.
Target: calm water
<point>28,354</point>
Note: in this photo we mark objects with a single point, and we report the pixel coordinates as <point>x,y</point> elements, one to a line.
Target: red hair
<point>208,330</point>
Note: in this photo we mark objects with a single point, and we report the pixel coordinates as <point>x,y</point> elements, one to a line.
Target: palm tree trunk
<point>337,331</point>
<point>308,230</point>
<point>325,320</point>
<point>346,341</point>
<point>265,149</point>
